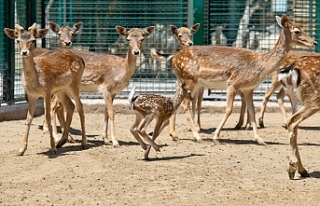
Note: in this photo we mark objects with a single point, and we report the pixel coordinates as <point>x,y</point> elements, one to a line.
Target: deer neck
<point>29,70</point>
<point>274,58</point>
<point>130,62</point>
<point>177,100</point>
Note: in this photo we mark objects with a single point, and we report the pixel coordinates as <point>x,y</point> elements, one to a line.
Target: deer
<point>301,78</point>
<point>240,70</point>
<point>276,84</point>
<point>150,106</point>
<point>184,36</point>
<point>66,35</point>
<point>55,72</point>
<point>110,74</point>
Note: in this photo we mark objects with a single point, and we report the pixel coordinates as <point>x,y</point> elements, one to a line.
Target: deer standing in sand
<point>301,78</point>
<point>54,72</point>
<point>150,106</point>
<point>184,37</point>
<point>240,70</point>
<point>110,74</point>
<point>65,34</point>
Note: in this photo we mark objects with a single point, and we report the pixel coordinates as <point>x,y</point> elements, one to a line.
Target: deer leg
<point>134,131</point>
<point>69,106</point>
<point>280,98</point>
<point>79,106</point>
<point>274,86</point>
<point>172,126</point>
<point>250,106</point>
<point>199,103</point>
<point>292,124</point>
<point>109,115</point>
<point>157,130</point>
<point>54,111</point>
<point>242,111</point>
<point>231,92</point>
<point>194,104</point>
<point>31,107</point>
<point>186,108</point>
<point>142,130</point>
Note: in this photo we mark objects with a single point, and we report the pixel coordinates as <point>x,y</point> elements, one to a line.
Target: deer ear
<point>77,27</point>
<point>11,33</point>
<point>54,27</point>
<point>282,21</point>
<point>41,33</point>
<point>122,31</point>
<point>148,30</point>
<point>174,29</point>
<point>195,28</point>
<point>279,21</point>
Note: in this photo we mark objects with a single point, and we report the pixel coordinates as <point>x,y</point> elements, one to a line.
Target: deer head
<point>66,33</point>
<point>25,39</point>
<point>294,33</point>
<point>184,34</point>
<point>135,37</point>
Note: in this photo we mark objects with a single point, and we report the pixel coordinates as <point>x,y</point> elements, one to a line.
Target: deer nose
<point>136,52</point>
<point>190,43</point>
<point>315,43</point>
<point>67,43</point>
<point>24,52</point>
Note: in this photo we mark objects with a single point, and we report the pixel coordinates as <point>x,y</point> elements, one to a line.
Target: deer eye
<point>128,40</point>
<point>180,36</point>
<point>17,41</point>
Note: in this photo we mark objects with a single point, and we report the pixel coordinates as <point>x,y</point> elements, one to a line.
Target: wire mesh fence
<point>242,23</point>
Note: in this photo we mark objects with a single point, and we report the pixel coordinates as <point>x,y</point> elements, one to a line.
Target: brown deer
<point>301,77</point>
<point>65,34</point>
<point>110,74</point>
<point>242,70</point>
<point>54,72</point>
<point>184,37</point>
<point>276,84</point>
<point>150,106</point>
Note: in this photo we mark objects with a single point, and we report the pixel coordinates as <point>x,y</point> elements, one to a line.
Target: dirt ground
<point>236,172</point>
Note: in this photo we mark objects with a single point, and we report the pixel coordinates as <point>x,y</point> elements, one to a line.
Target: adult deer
<point>110,74</point>
<point>148,107</point>
<point>55,72</point>
<point>301,78</point>
<point>276,84</point>
<point>240,70</point>
<point>184,37</point>
<point>65,34</point>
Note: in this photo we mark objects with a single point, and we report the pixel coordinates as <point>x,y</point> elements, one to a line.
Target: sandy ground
<point>236,172</point>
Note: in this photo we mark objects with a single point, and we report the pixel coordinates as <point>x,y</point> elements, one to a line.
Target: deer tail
<point>131,98</point>
<point>159,56</point>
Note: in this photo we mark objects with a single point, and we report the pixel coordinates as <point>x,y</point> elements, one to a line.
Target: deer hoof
<point>261,142</point>
<point>292,170</point>
<point>216,142</point>
<point>70,139</point>
<point>116,144</point>
<point>261,124</point>
<point>61,143</point>
<point>84,147</point>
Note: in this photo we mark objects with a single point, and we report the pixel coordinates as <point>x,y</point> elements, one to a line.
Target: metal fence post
<point>9,61</point>
<point>318,25</point>
<point>198,18</point>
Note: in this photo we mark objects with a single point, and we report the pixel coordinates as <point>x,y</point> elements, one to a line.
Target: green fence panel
<point>243,23</point>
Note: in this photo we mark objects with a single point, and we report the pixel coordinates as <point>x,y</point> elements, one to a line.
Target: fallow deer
<point>65,34</point>
<point>184,37</point>
<point>240,70</point>
<point>276,84</point>
<point>110,74</point>
<point>54,72</point>
<point>150,106</point>
<point>301,77</point>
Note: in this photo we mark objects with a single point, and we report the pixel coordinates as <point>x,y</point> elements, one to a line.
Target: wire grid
<point>223,20</point>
